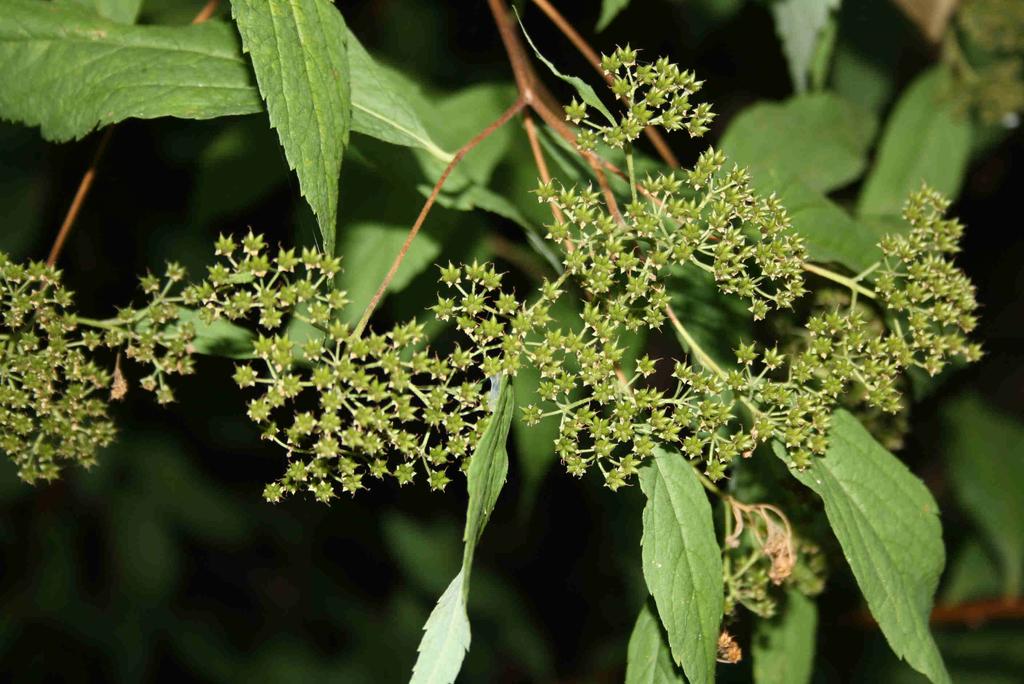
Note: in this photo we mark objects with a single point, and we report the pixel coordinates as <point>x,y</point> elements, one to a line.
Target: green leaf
<point>368,250</point>
<point>925,141</point>
<point>381,109</point>
<point>682,562</point>
<point>445,638</point>
<point>888,526</point>
<point>446,633</point>
<point>488,468</point>
<point>609,10</point>
<point>123,11</point>
<point>648,658</point>
<point>800,24</point>
<point>783,647</point>
<point>583,88</point>
<point>68,71</point>
<point>986,465</point>
<point>820,139</point>
<point>299,54</point>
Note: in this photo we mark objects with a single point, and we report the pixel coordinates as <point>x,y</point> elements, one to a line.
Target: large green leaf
<point>67,70</point>
<point>888,526</point>
<point>446,634</point>
<point>446,638</point>
<point>124,11</point>
<point>982,449</point>
<point>648,658</point>
<point>800,24</point>
<point>298,51</point>
<point>783,647</point>
<point>682,562</point>
<point>926,140</point>
<point>368,250</point>
<point>820,139</point>
<point>380,107</point>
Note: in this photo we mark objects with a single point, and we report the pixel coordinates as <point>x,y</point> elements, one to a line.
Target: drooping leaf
<point>888,526</point>
<point>783,647</point>
<point>926,140</point>
<point>298,51</point>
<point>682,562</point>
<point>446,633</point>
<point>123,11</point>
<point>648,658</point>
<point>67,70</point>
<point>820,139</point>
<point>800,24</point>
<point>609,10</point>
<point>982,450</point>
<point>488,468</point>
<point>583,88</point>
<point>381,109</point>
<point>367,251</point>
<point>445,640</point>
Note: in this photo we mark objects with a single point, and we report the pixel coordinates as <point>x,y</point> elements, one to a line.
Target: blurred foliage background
<point>164,562</point>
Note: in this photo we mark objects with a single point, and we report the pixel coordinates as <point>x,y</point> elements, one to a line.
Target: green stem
<point>110,324</point>
<point>850,283</point>
<point>632,172</point>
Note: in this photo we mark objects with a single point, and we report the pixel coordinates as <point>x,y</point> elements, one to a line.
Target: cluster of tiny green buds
<point>933,299</point>
<point>655,94</point>
<point>52,408</point>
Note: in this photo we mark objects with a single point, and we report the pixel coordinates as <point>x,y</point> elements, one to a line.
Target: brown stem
<point>969,613</point>
<point>477,139</point>
<point>538,158</point>
<point>208,11</point>
<point>89,176</point>
<point>567,29</point>
<point>76,204</point>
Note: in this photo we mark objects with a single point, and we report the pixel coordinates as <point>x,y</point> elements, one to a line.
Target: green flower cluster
<point>655,94</point>
<point>52,411</point>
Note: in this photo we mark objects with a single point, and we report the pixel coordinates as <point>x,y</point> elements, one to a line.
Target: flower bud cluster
<point>344,406</point>
<point>655,94</point>
<point>52,411</point>
<point>706,217</point>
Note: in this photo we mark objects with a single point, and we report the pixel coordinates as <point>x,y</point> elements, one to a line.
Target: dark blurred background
<point>164,563</point>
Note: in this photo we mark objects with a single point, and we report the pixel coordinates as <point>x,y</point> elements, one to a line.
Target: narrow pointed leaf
<point>648,658</point>
<point>888,526</point>
<point>682,562</point>
<point>298,51</point>
<point>67,70</point>
<point>446,633</point>
<point>783,647</point>
<point>445,638</point>
<point>488,468</point>
<point>583,88</point>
